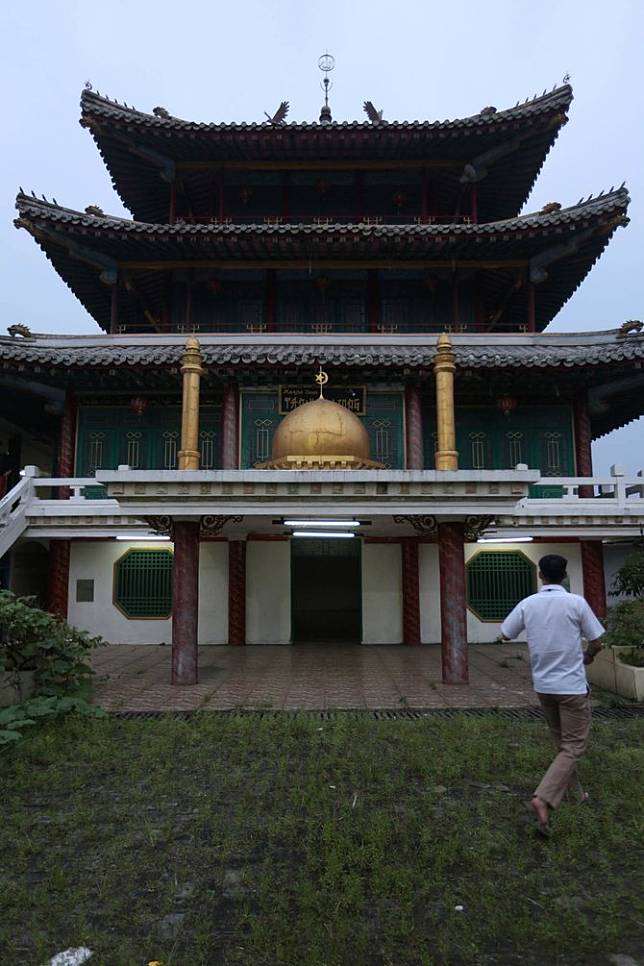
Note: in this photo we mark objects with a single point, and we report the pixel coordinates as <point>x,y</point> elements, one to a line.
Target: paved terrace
<point>135,677</point>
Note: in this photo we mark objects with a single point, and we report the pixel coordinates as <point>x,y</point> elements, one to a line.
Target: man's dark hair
<point>553,567</point>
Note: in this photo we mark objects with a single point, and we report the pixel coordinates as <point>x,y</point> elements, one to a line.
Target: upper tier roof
<point>556,248</point>
<point>145,151</point>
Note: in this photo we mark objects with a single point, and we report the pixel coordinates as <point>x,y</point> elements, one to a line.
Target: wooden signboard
<point>353,398</point>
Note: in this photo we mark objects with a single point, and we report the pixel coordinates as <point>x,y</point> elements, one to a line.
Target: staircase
<point>13,513</point>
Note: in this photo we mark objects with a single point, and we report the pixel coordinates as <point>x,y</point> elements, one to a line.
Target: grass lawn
<point>292,840</point>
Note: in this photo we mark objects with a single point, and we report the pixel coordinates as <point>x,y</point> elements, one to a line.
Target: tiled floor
<point>312,676</point>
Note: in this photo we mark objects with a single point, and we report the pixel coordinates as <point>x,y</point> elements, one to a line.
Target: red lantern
<point>322,284</point>
<point>507,404</point>
<point>321,186</point>
<point>138,405</point>
<point>400,200</point>
<point>245,195</point>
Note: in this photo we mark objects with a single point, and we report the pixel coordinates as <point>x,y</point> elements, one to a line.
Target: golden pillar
<point>444,367</point>
<point>191,371</point>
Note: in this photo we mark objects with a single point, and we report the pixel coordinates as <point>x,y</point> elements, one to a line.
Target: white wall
<point>213,592</point>
<point>479,631</point>
<point>268,592</point>
<point>430,601</point>
<point>94,560</point>
<point>382,621</point>
<point>483,631</point>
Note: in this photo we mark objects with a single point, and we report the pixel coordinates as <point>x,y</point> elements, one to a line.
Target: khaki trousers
<point>568,717</point>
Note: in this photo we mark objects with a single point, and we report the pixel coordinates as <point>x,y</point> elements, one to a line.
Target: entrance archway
<point>326,591</point>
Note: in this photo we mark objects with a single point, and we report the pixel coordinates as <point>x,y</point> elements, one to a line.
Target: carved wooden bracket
<point>475,527</point>
<point>424,524</point>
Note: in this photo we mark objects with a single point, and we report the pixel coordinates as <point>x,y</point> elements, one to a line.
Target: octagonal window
<point>497,580</point>
<point>143,583</point>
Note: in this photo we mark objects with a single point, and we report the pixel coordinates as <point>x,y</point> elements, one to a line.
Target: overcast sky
<point>212,61</point>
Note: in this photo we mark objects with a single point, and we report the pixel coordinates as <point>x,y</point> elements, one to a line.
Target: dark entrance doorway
<point>326,591</point>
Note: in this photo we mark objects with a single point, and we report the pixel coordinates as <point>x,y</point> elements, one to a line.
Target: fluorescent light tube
<point>505,539</point>
<point>154,538</point>
<point>321,523</point>
<point>326,534</point>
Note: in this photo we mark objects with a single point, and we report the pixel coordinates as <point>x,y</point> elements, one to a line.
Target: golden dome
<point>321,428</point>
<point>320,435</point>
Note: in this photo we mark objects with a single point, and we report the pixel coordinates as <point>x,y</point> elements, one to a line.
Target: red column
<point>236,591</point>
<point>583,441</point>
<point>411,593</point>
<point>230,428</point>
<point>67,444</point>
<point>456,307</point>
<point>532,318</point>
<point>474,209</point>
<point>592,565</point>
<point>270,288</point>
<point>185,602</point>
<point>414,427</point>
<point>58,586</point>
<point>373,299</point>
<point>453,603</point>
<point>114,308</point>
<point>423,194</point>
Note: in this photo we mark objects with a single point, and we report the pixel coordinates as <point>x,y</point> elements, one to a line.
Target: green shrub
<point>56,653</point>
<point>630,576</point>
<point>625,628</point>
<point>33,640</point>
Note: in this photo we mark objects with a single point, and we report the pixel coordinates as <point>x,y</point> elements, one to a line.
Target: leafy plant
<point>626,618</point>
<point>19,716</point>
<point>626,629</point>
<point>33,640</point>
<point>630,576</point>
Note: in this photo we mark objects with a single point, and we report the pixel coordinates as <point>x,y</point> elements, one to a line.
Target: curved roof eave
<point>614,200</point>
<point>94,104</point>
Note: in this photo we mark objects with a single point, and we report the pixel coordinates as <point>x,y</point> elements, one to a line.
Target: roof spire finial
<point>326,63</point>
<point>321,378</point>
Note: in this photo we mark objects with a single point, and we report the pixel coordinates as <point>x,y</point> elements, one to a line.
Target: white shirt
<point>554,622</point>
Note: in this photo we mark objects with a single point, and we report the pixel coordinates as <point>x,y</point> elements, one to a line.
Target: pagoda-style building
<point>390,260</point>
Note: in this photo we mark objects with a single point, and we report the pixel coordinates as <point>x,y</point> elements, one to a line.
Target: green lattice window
<point>143,584</point>
<point>497,580</point>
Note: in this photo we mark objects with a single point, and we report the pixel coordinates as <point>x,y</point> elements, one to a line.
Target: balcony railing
<point>314,329</point>
<point>335,218</point>
<point>587,507</point>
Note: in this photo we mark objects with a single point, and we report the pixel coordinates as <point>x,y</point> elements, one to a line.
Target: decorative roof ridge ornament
<point>279,117</point>
<point>374,116</point>
<point>326,63</point>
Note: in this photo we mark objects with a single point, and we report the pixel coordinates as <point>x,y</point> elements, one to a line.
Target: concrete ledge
<point>609,672</point>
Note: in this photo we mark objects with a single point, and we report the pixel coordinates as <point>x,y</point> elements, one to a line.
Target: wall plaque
<point>353,398</point>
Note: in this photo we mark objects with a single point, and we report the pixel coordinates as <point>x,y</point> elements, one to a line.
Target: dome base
<point>322,462</point>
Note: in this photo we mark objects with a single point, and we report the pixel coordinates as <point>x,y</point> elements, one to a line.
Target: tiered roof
<point>505,149</point>
<point>608,363</point>
<point>82,247</point>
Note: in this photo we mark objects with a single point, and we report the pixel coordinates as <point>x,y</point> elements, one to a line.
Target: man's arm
<point>593,649</point>
<point>592,631</point>
<point>513,624</point>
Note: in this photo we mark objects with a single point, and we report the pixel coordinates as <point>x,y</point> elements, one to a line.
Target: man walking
<point>555,622</point>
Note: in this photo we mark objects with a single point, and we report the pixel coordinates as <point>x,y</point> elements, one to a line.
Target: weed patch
<point>287,840</point>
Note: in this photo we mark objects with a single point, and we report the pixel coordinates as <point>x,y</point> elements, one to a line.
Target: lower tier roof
<point>552,367</point>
